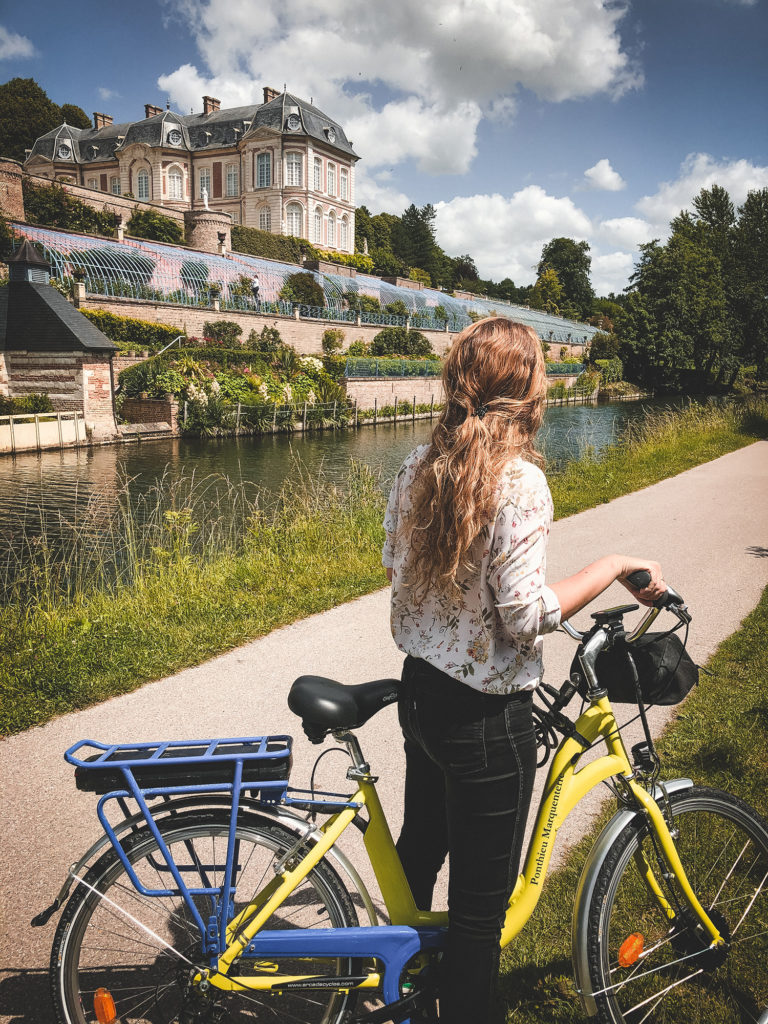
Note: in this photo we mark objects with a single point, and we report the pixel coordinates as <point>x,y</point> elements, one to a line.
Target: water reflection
<point>49,498</point>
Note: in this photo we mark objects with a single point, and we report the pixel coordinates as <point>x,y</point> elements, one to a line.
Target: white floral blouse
<point>489,634</point>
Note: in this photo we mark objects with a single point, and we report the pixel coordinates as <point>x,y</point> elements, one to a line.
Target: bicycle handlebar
<point>640,579</point>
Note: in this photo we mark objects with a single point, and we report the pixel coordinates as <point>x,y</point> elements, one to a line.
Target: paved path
<point>708,527</point>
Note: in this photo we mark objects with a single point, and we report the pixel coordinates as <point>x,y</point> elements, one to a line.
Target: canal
<point>49,499</point>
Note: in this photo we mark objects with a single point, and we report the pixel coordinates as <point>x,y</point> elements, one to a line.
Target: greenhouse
<point>158,272</point>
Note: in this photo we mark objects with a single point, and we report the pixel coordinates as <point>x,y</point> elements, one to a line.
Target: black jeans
<point>470,765</point>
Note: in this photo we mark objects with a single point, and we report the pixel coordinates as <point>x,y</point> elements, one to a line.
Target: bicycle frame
<point>416,929</point>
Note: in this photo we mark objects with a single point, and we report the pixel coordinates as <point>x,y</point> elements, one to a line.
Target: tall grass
<point>188,589</point>
<point>146,585</point>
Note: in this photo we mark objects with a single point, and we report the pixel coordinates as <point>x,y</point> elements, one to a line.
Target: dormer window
<point>64,151</point>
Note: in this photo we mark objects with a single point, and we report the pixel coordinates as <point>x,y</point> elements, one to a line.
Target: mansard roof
<point>220,129</point>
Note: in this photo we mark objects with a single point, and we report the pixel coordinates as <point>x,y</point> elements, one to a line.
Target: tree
<point>572,263</point>
<point>75,116</point>
<point>750,280</point>
<point>155,227</point>
<point>26,113</point>
<point>547,293</point>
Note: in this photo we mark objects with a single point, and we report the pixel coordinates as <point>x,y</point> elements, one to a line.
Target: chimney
<point>150,110</point>
<point>270,94</point>
<point>101,120</point>
<point>211,105</point>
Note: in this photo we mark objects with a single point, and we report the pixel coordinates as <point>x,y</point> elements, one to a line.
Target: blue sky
<point>519,119</point>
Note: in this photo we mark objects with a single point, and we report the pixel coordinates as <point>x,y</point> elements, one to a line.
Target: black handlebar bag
<point>665,670</point>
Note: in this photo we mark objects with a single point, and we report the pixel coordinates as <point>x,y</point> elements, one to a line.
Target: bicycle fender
<point>586,888</point>
<point>276,812</point>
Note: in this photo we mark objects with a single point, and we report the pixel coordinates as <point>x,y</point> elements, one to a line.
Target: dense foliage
<point>697,312</point>
<point>304,289</point>
<point>226,332</point>
<point>399,341</point>
<point>53,207</point>
<point>571,264</point>
<point>155,227</point>
<point>26,113</point>
<point>36,402</point>
<point>131,333</point>
<point>274,247</point>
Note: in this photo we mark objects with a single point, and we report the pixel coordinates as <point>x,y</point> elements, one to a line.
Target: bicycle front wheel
<point>648,969</point>
<point>144,950</point>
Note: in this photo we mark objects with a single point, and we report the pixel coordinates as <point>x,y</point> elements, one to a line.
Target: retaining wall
<point>384,390</point>
<point>151,410</point>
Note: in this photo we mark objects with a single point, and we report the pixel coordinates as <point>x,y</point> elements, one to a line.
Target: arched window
<point>293,169</point>
<point>265,219</point>
<point>331,228</point>
<point>142,184</point>
<point>344,234</point>
<point>175,184</point>
<point>319,224</point>
<point>293,218</point>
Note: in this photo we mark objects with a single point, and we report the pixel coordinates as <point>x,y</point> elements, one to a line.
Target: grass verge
<point>195,590</point>
<point>719,738</point>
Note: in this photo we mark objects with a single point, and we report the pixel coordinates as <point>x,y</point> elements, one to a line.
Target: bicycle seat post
<point>360,770</point>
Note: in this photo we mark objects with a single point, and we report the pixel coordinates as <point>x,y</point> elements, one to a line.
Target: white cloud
<point>603,176</point>
<point>506,235</point>
<point>628,232</point>
<point>107,94</point>
<point>14,45</point>
<point>698,171</point>
<point>438,68</point>
<point>611,271</point>
<point>377,194</point>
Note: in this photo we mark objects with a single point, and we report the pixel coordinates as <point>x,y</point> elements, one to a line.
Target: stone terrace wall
<point>304,335</point>
<point>384,390</point>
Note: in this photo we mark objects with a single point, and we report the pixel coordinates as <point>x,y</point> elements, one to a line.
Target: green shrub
<point>335,366</point>
<point>358,348</point>
<point>362,303</point>
<point>396,308</point>
<point>303,289</point>
<point>610,370</point>
<point>332,340</point>
<point>417,274</point>
<point>53,207</point>
<point>129,332</point>
<point>267,341</point>
<point>603,346</point>
<point>226,332</point>
<point>36,402</point>
<point>399,341</point>
<point>357,260</point>
<point>440,313</point>
<point>273,247</point>
<point>155,227</point>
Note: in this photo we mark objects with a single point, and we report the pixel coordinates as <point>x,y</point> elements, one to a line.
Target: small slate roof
<point>199,132</point>
<point>37,318</point>
<point>27,253</point>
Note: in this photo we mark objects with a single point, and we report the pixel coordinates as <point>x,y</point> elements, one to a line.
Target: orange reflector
<point>630,949</point>
<point>104,1006</point>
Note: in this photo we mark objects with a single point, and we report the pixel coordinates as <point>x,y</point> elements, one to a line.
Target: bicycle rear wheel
<point>649,971</point>
<point>143,949</point>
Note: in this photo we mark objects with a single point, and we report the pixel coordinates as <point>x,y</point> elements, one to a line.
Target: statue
<point>204,195</point>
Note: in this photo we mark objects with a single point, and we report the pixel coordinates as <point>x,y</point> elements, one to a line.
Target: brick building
<point>282,166</point>
<point>47,346</point>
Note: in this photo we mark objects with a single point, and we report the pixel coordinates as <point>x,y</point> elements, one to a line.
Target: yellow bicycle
<point>215,896</point>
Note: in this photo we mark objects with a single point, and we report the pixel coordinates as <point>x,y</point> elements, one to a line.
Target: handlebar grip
<point>639,579</point>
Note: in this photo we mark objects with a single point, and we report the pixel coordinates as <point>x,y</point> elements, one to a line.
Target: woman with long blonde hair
<point>467,524</point>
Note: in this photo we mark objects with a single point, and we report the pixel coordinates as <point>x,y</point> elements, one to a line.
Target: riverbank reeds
<point>719,737</point>
<point>170,585</point>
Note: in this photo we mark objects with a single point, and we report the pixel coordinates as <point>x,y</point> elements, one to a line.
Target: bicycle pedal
<point>410,1008</point>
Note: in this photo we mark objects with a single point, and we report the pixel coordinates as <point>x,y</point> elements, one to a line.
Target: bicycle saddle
<point>323,704</point>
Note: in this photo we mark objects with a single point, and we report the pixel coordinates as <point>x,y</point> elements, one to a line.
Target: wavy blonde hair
<point>495,383</point>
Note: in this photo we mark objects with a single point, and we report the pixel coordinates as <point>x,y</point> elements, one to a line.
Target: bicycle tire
<point>97,945</point>
<point>723,845</point>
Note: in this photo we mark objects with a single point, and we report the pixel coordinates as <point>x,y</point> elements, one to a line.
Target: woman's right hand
<point>646,595</point>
